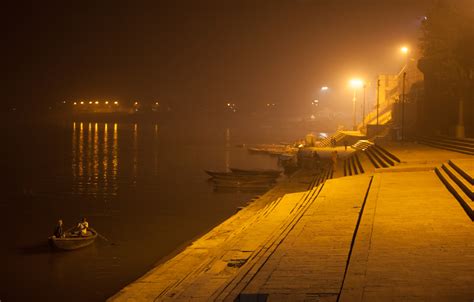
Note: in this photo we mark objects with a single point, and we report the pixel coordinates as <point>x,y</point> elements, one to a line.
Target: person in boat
<point>58,231</point>
<point>82,227</point>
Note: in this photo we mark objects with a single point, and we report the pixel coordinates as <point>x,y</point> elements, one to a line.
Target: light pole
<point>355,83</point>
<point>405,51</point>
<point>363,106</point>
<point>378,100</point>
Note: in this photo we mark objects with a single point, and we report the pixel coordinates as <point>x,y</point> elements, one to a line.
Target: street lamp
<point>363,105</point>
<point>404,50</point>
<point>355,83</point>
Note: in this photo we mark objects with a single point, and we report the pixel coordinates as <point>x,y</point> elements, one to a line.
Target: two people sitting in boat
<point>80,230</point>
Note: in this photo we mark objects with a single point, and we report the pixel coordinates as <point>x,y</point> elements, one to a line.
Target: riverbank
<point>216,247</point>
<point>390,234</point>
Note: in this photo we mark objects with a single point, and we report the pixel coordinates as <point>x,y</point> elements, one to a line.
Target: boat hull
<point>73,243</point>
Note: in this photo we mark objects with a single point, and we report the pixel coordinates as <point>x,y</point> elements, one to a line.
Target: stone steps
<point>465,146</point>
<point>353,165</point>
<point>463,167</point>
<point>380,157</point>
<point>322,177</point>
<point>309,263</point>
<point>338,136</point>
<point>458,178</point>
<point>392,156</point>
<point>458,181</point>
<point>233,286</point>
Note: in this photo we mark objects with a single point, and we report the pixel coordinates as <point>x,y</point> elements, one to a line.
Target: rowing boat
<point>274,173</point>
<point>72,241</point>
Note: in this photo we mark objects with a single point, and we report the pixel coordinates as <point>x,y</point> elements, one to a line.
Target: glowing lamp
<point>356,83</point>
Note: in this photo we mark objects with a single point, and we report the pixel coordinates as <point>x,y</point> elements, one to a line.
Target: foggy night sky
<point>201,53</point>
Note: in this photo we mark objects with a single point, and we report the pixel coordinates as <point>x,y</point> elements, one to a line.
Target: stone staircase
<point>338,136</point>
<point>378,158</point>
<point>464,145</point>
<point>457,176</point>
<point>326,174</point>
<point>228,290</point>
<point>362,145</point>
<point>353,165</point>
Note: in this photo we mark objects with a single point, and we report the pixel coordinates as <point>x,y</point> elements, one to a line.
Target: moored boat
<point>274,173</point>
<point>218,173</point>
<point>72,241</point>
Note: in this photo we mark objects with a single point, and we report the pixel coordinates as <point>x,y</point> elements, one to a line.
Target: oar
<point>103,237</point>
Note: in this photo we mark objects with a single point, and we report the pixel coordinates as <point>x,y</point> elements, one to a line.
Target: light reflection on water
<point>95,159</point>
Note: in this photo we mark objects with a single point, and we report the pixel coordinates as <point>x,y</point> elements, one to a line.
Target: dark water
<point>142,186</point>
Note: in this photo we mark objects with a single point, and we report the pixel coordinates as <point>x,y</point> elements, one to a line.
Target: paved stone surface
<point>414,243</point>
<point>311,260</point>
<point>412,153</point>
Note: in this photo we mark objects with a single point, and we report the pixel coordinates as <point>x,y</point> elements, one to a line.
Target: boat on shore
<point>72,241</point>
<point>218,173</point>
<point>240,176</point>
<point>273,173</point>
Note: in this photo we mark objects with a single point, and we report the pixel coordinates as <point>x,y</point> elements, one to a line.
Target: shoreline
<point>297,182</point>
<point>339,239</point>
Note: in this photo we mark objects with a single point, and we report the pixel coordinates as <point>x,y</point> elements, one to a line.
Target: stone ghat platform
<point>373,237</point>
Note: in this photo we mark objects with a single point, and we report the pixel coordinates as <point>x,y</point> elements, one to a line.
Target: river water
<point>142,186</point>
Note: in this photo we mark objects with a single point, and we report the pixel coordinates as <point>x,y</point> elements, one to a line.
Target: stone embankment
<point>389,233</point>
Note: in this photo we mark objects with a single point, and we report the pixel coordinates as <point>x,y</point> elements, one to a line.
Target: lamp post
<point>405,51</point>
<point>355,83</point>
<point>363,106</point>
<point>378,100</point>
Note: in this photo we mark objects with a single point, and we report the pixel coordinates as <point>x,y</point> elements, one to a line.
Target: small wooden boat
<point>72,241</point>
<point>217,173</point>
<point>239,176</point>
<point>274,173</point>
<point>255,150</point>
